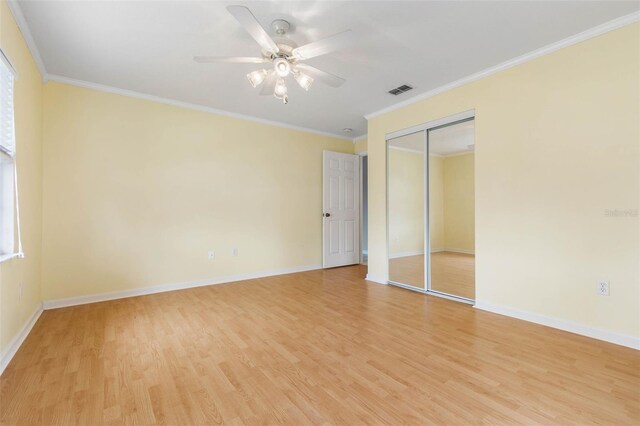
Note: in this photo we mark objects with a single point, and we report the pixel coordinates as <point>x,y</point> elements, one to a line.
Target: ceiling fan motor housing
<point>280,26</point>
<point>283,53</point>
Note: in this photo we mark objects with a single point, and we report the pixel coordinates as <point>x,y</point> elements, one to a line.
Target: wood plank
<point>319,347</point>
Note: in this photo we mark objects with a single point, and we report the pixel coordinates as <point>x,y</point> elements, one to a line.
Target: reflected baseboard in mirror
<point>453,273</point>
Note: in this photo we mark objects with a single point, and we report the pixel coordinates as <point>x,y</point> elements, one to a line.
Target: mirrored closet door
<point>430,212</point>
<point>452,209</point>
<point>406,209</point>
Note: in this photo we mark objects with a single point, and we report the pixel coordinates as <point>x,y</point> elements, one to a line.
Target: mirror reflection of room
<point>452,209</point>
<point>406,210</point>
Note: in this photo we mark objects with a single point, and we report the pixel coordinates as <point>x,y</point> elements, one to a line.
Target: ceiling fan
<point>285,57</point>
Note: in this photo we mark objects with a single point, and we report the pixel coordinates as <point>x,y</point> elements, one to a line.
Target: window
<point>8,187</point>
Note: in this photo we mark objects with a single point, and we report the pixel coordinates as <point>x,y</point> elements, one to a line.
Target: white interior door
<point>341,209</point>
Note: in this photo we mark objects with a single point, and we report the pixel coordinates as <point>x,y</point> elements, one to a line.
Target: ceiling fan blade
<point>253,27</point>
<point>229,59</point>
<point>326,45</point>
<point>269,84</point>
<point>319,75</point>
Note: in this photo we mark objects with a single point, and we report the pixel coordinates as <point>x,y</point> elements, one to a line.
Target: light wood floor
<point>454,273</point>
<point>317,347</point>
<point>451,273</point>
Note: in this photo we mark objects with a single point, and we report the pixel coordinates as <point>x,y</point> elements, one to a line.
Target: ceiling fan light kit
<point>284,56</point>
<point>257,77</point>
<point>280,91</point>
<point>282,67</point>
<point>303,80</point>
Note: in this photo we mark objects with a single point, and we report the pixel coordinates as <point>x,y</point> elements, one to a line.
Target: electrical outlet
<point>234,252</point>
<point>603,288</point>
<point>211,254</point>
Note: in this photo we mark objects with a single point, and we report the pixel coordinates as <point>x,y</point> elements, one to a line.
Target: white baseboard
<point>457,250</point>
<point>374,279</point>
<point>572,327</point>
<point>103,297</point>
<point>406,254</point>
<point>561,324</point>
<point>16,342</point>
<point>433,250</point>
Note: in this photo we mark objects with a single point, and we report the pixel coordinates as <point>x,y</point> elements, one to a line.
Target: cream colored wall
<point>557,145</point>
<point>450,185</point>
<point>436,203</point>
<point>459,202</point>
<point>406,202</point>
<point>15,310</point>
<point>360,146</point>
<point>136,193</point>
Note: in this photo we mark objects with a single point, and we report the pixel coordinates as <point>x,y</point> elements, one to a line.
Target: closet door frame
<point>425,128</point>
<point>424,211</point>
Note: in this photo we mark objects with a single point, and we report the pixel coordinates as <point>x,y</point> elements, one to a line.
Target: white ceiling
<point>413,142</point>
<point>452,139</point>
<point>444,141</point>
<point>147,47</point>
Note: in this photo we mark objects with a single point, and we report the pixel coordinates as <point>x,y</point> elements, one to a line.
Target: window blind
<point>7,127</point>
<point>8,149</point>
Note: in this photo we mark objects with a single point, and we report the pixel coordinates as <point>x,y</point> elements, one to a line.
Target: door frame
<point>325,208</point>
<point>361,159</point>
<point>424,127</point>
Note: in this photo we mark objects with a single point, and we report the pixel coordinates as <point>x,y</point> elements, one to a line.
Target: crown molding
<point>187,105</point>
<point>550,48</point>
<point>431,154</point>
<point>458,154</point>
<point>403,149</point>
<point>14,7</point>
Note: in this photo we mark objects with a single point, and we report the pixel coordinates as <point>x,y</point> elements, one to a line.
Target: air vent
<point>400,89</point>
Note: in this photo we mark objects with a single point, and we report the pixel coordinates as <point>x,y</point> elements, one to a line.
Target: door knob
<point>326,214</point>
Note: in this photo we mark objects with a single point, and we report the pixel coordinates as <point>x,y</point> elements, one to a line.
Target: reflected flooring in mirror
<point>407,270</point>
<point>451,273</point>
